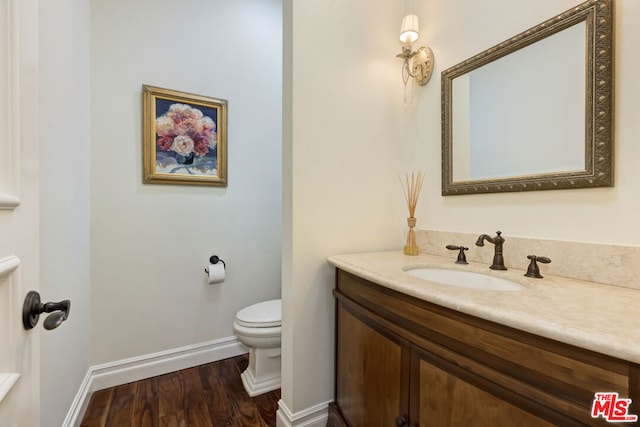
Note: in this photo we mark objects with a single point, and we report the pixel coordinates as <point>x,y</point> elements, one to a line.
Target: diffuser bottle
<point>411,193</point>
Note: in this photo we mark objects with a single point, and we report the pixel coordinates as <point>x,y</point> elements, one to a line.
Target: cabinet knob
<point>401,422</point>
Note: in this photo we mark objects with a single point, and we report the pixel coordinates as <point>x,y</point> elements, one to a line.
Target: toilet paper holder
<point>214,259</point>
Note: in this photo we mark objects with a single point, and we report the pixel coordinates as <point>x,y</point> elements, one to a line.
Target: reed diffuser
<point>411,192</point>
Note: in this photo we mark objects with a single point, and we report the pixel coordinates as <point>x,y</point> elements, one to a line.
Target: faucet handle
<point>533,270</point>
<point>462,259</point>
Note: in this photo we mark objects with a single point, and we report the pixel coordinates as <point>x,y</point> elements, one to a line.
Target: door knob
<point>33,308</point>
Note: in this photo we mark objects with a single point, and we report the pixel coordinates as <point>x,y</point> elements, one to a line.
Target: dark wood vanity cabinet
<point>401,361</point>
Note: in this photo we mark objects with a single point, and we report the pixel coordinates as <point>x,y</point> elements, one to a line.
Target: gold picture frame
<point>184,138</point>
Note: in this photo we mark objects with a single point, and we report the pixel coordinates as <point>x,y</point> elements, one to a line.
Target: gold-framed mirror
<point>534,112</point>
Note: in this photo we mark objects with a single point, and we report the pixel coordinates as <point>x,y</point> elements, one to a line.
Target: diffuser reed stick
<point>411,193</point>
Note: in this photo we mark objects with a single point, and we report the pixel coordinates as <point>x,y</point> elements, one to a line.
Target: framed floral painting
<point>184,138</point>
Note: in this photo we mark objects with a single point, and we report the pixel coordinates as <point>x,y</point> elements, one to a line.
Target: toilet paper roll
<point>216,273</point>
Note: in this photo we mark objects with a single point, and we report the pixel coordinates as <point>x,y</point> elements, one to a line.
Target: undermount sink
<point>465,279</point>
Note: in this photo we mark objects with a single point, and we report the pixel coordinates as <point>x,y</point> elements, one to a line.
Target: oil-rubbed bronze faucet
<point>498,260</point>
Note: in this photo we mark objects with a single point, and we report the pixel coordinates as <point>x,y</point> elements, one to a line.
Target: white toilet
<point>258,327</point>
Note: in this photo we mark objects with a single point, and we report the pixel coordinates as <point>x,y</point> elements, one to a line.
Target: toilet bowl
<point>258,327</point>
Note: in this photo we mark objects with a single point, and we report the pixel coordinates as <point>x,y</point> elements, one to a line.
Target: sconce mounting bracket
<point>421,65</point>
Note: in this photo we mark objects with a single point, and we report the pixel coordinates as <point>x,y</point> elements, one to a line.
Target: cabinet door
<point>441,397</point>
<point>372,371</point>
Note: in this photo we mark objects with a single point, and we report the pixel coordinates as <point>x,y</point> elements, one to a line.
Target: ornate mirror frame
<point>599,170</point>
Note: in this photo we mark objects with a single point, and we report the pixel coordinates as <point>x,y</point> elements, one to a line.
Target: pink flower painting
<point>185,137</point>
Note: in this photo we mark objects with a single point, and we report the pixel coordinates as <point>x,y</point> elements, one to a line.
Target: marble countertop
<point>597,317</point>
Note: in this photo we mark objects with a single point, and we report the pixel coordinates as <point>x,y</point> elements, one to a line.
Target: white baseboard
<point>150,365</point>
<point>315,416</point>
<point>80,403</point>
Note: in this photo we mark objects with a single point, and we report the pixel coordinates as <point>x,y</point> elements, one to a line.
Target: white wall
<point>343,114</point>
<point>458,29</point>
<point>64,199</point>
<point>150,243</point>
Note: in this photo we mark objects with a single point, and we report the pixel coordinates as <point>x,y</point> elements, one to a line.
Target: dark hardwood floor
<point>203,396</point>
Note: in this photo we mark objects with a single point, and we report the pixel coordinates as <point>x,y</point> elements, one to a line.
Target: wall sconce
<point>418,64</point>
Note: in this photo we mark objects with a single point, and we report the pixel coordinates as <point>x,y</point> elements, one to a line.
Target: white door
<point>19,247</point>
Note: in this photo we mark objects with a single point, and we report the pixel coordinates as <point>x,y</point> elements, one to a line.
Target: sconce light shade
<point>409,31</point>
<point>416,64</point>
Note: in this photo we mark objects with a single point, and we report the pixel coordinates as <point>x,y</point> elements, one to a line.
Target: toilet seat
<point>266,314</point>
